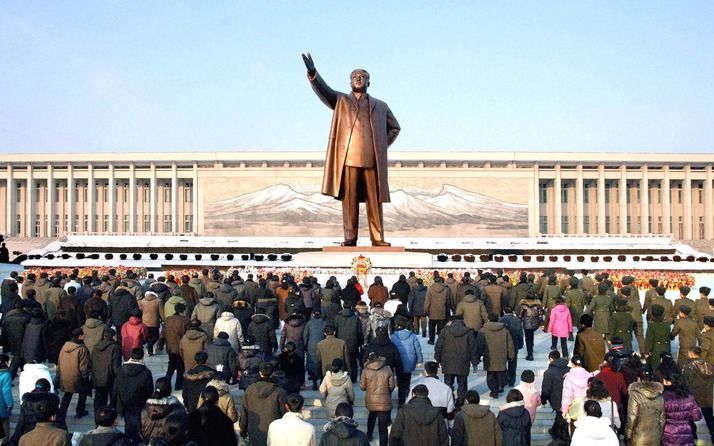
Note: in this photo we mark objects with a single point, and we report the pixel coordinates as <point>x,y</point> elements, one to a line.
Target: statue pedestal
<point>363,249</point>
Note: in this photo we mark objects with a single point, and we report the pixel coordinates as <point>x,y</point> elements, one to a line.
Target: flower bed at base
<point>87,271</point>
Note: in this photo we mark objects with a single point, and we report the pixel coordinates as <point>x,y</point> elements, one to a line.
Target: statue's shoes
<point>349,243</point>
<point>381,243</point>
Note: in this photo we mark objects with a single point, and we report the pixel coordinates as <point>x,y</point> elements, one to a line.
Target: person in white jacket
<point>291,430</point>
<point>592,429</point>
<point>230,324</point>
<point>29,376</point>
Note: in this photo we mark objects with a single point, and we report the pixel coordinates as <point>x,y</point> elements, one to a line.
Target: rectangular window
<point>679,195</point>
<point>628,193</point>
<point>125,224</point>
<point>19,225</point>
<point>105,223</point>
<point>188,223</point>
<point>639,225</point>
<point>167,223</point>
<point>75,223</point>
<point>659,225</point>
<point>167,193</point>
<point>701,228</point>
<point>188,193</point>
<point>56,191</point>
<point>680,223</point>
<point>586,194</point>
<point>700,193</point>
<point>543,193</point>
<point>37,225</point>
<point>639,195</point>
<point>649,225</point>
<point>629,225</point>
<point>147,193</point>
<point>543,224</point>
<point>86,223</point>
<point>586,225</point>
<point>564,226</point>
<point>564,193</point>
<point>125,193</point>
<point>147,223</point>
<point>659,193</point>
<point>58,222</point>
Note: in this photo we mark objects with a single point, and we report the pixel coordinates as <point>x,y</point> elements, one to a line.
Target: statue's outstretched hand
<point>309,64</point>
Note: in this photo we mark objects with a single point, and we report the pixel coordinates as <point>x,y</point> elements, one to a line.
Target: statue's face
<point>359,80</point>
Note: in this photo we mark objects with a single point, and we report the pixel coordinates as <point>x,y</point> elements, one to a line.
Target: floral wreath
<point>361,266</point>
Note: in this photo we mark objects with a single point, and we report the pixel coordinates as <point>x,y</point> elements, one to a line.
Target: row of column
<point>91,199</point>
<point>622,190</point>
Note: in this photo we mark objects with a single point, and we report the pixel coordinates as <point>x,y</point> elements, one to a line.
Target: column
<point>645,200</point>
<point>622,190</point>
<point>558,202</point>
<point>687,192</point>
<point>708,210</point>
<point>533,205</point>
<point>666,202</point>
<point>10,217</point>
<point>29,202</point>
<point>174,198</point>
<point>152,199</point>
<point>70,198</point>
<point>91,199</point>
<point>50,202</point>
<point>194,198</point>
<point>132,198</point>
<point>601,199</point>
<point>579,203</point>
<point>112,200</point>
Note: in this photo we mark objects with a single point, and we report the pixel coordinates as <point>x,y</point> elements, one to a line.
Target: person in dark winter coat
<point>208,425</point>
<point>121,302</point>
<point>342,430</point>
<point>133,385</point>
<point>495,346</point>
<point>105,359</point>
<point>415,302</point>
<point>59,331</point>
<point>106,433</point>
<point>330,302</point>
<point>158,408</point>
<point>293,332</point>
<point>514,420</point>
<point>261,328</point>
<point>195,380</point>
<point>9,296</point>
<point>456,351</point>
<point>350,294</point>
<point>475,424</point>
<point>698,375</point>
<point>410,353</point>
<point>515,328</point>
<point>349,328</point>
<point>222,357</point>
<point>26,420</point>
<point>311,335</point>
<point>383,347</point>
<point>418,423</point>
<point>34,340</point>
<point>401,289</point>
<point>243,312</point>
<point>263,402</point>
<point>207,311</point>
<point>552,392</point>
<point>12,333</point>
<point>293,365</point>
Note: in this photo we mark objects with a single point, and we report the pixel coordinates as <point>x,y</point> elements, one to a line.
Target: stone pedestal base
<point>362,249</point>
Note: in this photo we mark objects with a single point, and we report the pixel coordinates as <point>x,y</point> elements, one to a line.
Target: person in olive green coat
<point>631,294</point>
<point>550,294</point>
<point>707,340</point>
<point>686,328</point>
<point>600,309</point>
<point>684,300</point>
<point>701,306</point>
<point>658,338</point>
<point>622,324</point>
<point>665,303</point>
<point>575,300</point>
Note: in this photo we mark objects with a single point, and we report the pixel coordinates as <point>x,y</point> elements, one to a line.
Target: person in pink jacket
<point>575,384</point>
<point>134,334</point>
<point>560,326</point>
<point>531,395</point>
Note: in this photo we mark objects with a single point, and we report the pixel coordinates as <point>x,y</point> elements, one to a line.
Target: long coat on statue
<point>385,129</point>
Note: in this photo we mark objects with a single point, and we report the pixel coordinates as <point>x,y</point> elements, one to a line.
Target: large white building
<point>460,194</point>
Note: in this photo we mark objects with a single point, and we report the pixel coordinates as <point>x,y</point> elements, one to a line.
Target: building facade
<point>460,194</point>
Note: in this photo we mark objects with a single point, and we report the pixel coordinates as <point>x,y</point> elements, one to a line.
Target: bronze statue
<point>363,127</point>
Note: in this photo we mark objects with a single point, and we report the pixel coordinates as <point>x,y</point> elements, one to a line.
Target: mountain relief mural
<point>301,210</point>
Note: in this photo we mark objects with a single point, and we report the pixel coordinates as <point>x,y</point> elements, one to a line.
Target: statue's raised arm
<point>323,91</point>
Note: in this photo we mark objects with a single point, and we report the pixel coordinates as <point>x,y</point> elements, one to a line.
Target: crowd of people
<point>276,336</point>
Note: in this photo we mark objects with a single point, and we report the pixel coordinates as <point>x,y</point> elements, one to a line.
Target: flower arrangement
<point>87,271</point>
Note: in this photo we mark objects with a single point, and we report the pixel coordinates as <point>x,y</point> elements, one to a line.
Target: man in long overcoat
<point>362,129</point>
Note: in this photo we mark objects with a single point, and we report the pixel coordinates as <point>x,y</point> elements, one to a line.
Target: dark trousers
<point>353,356</point>
<point>709,419</point>
<point>103,397</point>
<point>175,365</point>
<point>420,321</point>
<point>462,385</point>
<point>383,418</point>
<point>496,381</point>
<point>15,364</point>
<point>560,429</point>
<point>67,398</point>
<point>354,180</point>
<point>404,380</point>
<point>512,364</point>
<point>529,341</point>
<point>132,423</point>
<point>153,337</point>
<point>435,328</point>
<point>563,345</point>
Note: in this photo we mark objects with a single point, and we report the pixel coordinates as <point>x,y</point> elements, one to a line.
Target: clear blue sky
<point>227,75</point>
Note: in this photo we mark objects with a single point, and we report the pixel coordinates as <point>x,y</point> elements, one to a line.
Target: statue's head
<point>359,80</point>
